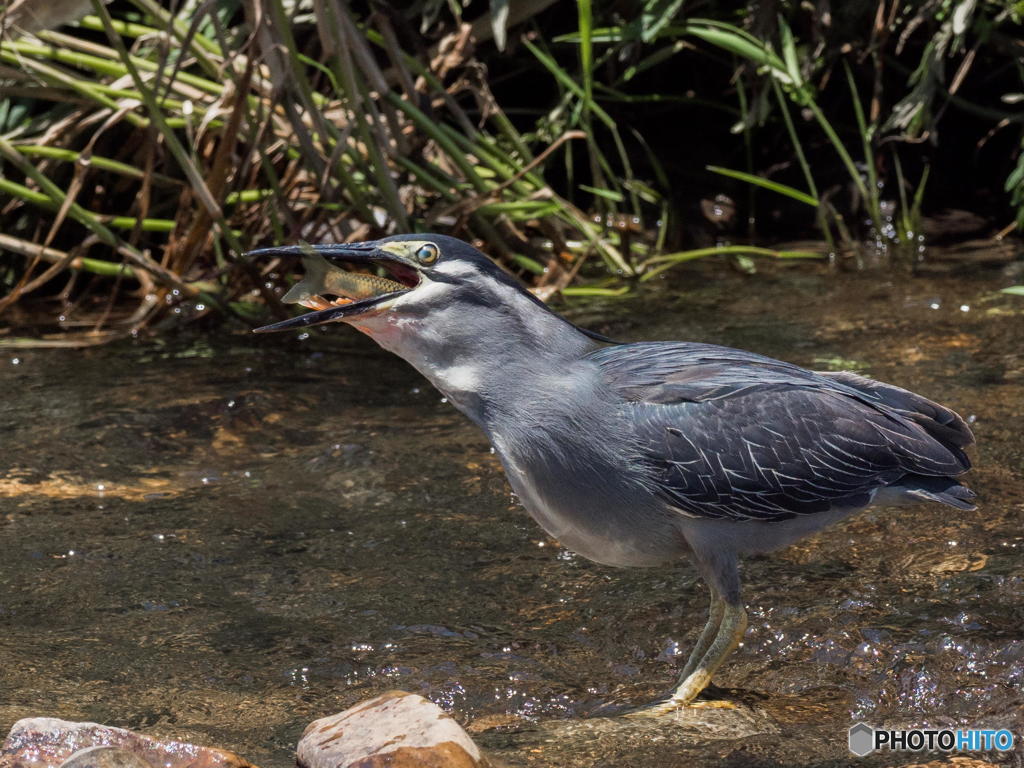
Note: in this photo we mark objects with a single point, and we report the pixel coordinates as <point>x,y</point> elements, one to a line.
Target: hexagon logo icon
<point>862,739</point>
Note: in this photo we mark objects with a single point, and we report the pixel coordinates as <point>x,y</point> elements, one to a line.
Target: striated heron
<point>638,454</point>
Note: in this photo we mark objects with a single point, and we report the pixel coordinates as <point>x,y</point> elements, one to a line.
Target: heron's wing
<point>728,434</point>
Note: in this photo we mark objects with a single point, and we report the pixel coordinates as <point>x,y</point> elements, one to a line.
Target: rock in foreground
<point>44,742</point>
<point>396,729</point>
<point>104,757</point>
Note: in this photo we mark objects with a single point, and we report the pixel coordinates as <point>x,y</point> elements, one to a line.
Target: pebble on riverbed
<point>396,729</point>
<point>44,742</point>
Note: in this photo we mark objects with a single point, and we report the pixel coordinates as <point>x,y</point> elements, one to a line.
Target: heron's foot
<point>675,705</point>
<point>725,626</point>
<point>713,704</point>
<point>683,697</point>
<point>656,710</point>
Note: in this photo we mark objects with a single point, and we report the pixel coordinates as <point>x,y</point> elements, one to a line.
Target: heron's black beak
<point>357,292</point>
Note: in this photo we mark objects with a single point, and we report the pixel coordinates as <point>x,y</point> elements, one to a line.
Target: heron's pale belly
<point>611,535</point>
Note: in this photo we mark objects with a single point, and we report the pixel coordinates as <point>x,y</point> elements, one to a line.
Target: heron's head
<point>444,307</point>
<point>427,275</point>
<point>436,286</point>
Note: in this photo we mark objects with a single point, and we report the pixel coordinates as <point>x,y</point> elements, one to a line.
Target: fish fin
<point>311,285</point>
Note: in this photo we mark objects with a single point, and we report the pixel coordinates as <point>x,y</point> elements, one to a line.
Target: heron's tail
<point>942,424</point>
<point>945,490</point>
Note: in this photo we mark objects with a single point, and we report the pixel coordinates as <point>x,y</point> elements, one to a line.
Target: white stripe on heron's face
<point>457,269</point>
<point>427,292</point>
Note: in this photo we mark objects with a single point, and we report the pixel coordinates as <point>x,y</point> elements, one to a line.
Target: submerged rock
<point>44,742</point>
<point>396,729</point>
<point>104,757</point>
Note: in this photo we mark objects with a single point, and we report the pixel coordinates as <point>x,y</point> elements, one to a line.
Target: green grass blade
<point>866,132</point>
<point>587,290</point>
<point>659,264</point>
<point>794,139</point>
<point>774,186</point>
<point>789,54</point>
<point>735,40</point>
<point>607,194</point>
<point>103,163</point>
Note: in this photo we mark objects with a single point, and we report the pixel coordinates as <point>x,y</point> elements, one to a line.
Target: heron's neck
<point>489,361</point>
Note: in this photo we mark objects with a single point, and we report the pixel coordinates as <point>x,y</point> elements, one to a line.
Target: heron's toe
<point>712,704</point>
<point>676,704</point>
<point>659,709</point>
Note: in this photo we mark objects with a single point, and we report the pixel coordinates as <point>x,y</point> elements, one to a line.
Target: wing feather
<point>732,435</point>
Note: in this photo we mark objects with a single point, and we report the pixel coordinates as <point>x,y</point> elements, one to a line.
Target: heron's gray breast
<point>592,508</point>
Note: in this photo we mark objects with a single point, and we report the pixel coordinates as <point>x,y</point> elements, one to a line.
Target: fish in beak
<point>336,293</point>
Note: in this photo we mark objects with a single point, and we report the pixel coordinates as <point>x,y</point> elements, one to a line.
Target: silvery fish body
<point>321,277</point>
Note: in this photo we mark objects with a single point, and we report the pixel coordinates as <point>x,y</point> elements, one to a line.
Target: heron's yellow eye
<point>427,253</point>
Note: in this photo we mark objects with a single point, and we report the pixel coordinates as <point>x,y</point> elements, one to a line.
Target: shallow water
<point>221,541</point>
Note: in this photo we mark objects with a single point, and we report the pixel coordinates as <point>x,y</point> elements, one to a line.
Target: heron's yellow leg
<point>730,631</point>
<point>707,636</point>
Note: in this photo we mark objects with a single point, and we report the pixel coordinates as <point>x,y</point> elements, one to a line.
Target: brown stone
<point>486,723</point>
<point>44,742</point>
<point>104,757</point>
<point>396,729</point>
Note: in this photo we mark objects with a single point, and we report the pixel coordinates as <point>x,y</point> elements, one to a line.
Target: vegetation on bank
<point>143,151</point>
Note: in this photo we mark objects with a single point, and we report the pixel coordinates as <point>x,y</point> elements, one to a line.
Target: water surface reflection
<point>221,542</point>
